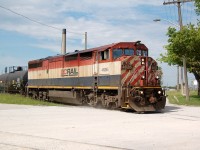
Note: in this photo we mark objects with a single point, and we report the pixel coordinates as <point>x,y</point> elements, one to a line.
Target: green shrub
<point>177,98</point>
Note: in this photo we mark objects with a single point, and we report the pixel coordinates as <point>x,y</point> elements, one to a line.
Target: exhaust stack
<point>63,49</point>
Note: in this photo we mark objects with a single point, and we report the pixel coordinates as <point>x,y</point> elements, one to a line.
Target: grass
<point>173,96</point>
<point>177,98</point>
<point>18,99</point>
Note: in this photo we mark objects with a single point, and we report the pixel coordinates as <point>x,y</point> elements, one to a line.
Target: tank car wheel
<point>21,92</point>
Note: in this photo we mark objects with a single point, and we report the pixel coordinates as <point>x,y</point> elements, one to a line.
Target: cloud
<point>105,21</point>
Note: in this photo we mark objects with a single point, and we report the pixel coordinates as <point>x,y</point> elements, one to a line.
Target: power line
<point>190,15</point>
<point>184,13</point>
<point>75,32</point>
<point>166,12</point>
<point>28,18</point>
<point>174,13</point>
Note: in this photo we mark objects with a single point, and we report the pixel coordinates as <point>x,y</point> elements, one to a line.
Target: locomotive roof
<point>100,48</point>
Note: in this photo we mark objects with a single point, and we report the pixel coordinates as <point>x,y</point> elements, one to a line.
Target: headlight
<point>157,77</point>
<point>159,92</point>
<point>141,92</point>
<point>143,77</point>
<point>142,61</point>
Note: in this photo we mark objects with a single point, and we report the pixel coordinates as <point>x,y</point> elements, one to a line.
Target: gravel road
<point>83,128</point>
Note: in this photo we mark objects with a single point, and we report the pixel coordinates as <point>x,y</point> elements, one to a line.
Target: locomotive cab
<point>134,50</point>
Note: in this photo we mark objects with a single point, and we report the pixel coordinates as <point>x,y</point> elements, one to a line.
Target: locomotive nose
<point>138,104</point>
<point>133,71</point>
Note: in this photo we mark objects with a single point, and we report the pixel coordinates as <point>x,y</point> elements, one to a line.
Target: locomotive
<point>118,75</point>
<point>14,80</point>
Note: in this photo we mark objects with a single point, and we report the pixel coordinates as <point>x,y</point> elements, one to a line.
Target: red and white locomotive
<point>119,75</point>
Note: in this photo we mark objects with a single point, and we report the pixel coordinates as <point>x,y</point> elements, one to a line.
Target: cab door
<point>95,70</point>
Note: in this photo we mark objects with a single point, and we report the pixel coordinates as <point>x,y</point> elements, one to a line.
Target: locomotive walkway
<point>73,127</point>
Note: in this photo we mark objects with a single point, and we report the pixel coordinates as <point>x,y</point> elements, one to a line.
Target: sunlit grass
<point>177,98</point>
<point>18,99</point>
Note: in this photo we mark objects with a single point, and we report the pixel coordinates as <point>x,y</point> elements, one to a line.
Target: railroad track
<point>18,141</point>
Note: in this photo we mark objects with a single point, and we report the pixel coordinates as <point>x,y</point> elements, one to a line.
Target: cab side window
<point>117,53</point>
<point>128,51</point>
<point>104,55</point>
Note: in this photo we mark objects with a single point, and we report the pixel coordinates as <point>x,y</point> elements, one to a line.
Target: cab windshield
<point>118,52</point>
<point>141,52</point>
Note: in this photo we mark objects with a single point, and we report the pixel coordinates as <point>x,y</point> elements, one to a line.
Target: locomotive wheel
<point>99,105</point>
<point>112,105</point>
<point>40,96</point>
<point>44,96</point>
<point>139,101</point>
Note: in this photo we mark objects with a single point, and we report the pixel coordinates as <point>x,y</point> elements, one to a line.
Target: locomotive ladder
<point>95,88</point>
<point>95,75</point>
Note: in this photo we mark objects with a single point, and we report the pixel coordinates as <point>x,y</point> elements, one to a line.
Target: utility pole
<point>85,40</point>
<point>177,88</point>
<point>178,2</point>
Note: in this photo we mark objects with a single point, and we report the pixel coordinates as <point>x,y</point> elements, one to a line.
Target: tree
<point>184,43</point>
<point>197,4</point>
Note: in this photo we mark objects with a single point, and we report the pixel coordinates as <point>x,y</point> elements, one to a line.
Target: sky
<point>105,21</point>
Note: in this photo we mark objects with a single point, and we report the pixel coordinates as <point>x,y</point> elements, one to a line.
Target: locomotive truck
<point>118,75</point>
